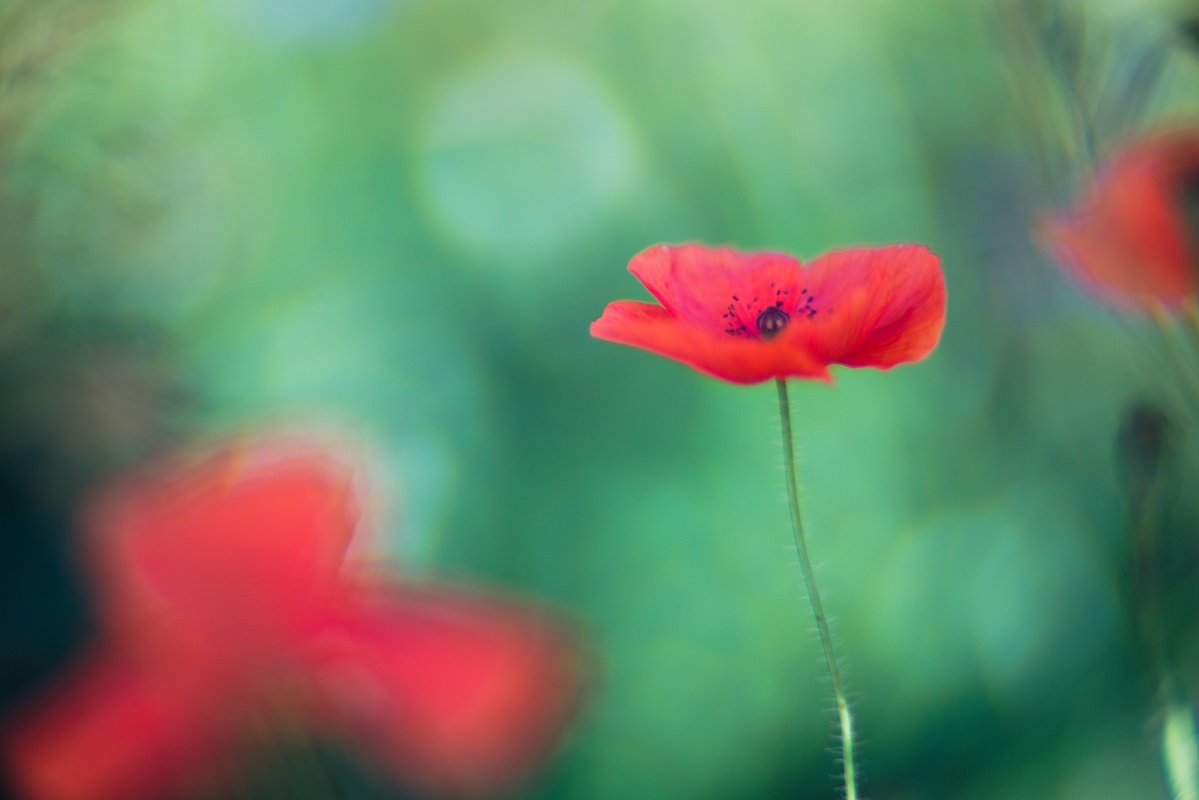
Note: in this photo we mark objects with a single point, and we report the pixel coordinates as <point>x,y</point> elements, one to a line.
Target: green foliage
<point>400,225</point>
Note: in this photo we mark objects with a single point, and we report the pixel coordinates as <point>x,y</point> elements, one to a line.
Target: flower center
<point>771,321</point>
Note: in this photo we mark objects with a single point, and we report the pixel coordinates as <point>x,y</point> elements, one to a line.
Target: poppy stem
<point>844,717</point>
<point>1176,351</point>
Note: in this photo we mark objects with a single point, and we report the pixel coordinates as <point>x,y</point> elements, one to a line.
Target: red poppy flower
<point>749,317</point>
<point>224,599</point>
<point>1131,233</point>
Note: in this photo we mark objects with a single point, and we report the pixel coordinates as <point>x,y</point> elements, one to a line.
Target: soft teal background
<point>395,219</point>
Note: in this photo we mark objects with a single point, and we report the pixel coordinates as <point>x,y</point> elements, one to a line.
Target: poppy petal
<point>461,692</point>
<point>876,306</point>
<point>238,549</point>
<point>1131,235</point>
<point>702,284</point>
<point>1104,266</point>
<point>736,359</point>
<point>111,733</point>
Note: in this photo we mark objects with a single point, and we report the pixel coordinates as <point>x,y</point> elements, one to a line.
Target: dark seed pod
<point>772,320</point>
<point>1189,28</point>
<point>1142,443</point>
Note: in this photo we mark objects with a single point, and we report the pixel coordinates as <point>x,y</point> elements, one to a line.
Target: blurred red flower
<point>224,600</point>
<point>1131,233</point>
<point>749,317</point>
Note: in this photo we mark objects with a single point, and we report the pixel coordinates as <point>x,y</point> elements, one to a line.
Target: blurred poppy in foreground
<point>226,604</point>
<point>1131,234</point>
<point>749,317</point>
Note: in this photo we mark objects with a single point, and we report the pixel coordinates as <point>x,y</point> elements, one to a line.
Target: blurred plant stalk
<point>1143,445</point>
<point>1180,750</point>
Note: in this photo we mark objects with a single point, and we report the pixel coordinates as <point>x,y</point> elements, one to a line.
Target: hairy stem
<point>844,717</point>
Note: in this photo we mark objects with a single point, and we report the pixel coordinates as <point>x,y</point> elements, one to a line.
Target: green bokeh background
<point>395,219</point>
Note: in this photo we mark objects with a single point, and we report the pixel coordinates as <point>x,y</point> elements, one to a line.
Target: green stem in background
<point>1180,747</point>
<point>1179,743</point>
<point>1144,448</point>
<point>844,717</point>
<point>1180,359</point>
<point>1086,129</point>
<point>1191,318</point>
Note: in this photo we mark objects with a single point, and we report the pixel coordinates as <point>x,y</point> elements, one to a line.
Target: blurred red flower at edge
<point>750,317</point>
<point>1131,233</point>
<point>224,600</point>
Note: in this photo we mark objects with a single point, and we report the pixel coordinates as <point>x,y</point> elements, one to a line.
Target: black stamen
<point>772,320</point>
